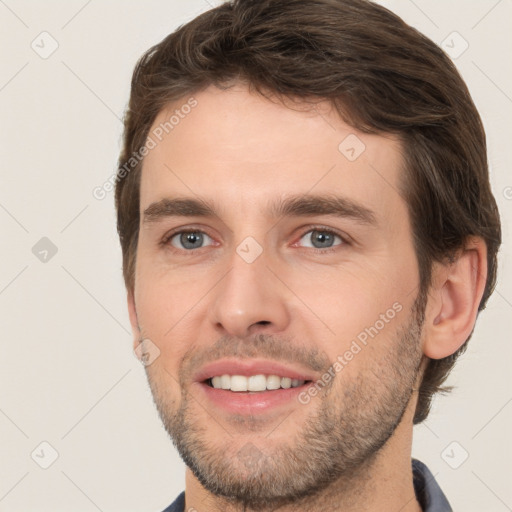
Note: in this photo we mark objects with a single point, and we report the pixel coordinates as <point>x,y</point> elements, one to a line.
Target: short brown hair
<point>381,75</point>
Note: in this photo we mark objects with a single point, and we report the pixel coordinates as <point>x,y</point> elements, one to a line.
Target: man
<point>308,235</point>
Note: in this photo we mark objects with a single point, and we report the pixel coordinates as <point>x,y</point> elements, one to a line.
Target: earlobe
<point>456,292</point>
<point>132,312</point>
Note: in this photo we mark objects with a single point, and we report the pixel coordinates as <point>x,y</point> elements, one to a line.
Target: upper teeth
<point>254,382</point>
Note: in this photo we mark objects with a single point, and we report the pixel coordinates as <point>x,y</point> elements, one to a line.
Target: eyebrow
<point>309,205</point>
<point>304,205</point>
<point>178,207</point>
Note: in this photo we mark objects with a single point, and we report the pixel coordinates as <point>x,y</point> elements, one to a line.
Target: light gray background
<point>67,372</point>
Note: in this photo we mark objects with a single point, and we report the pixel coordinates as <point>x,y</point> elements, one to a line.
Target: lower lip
<point>251,402</point>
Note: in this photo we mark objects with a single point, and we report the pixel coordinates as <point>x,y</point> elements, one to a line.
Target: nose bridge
<point>249,295</point>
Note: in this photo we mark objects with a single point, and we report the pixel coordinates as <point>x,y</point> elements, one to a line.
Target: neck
<point>383,483</point>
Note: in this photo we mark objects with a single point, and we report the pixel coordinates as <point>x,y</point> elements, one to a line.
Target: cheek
<point>168,302</point>
<point>354,305</point>
<point>163,319</point>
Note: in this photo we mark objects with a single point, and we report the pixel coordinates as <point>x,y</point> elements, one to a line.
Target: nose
<point>249,298</point>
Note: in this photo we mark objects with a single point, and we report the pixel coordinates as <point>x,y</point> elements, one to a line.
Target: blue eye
<point>321,239</point>
<point>188,240</point>
<point>316,239</point>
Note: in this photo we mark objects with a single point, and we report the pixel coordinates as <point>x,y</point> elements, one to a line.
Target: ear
<point>454,297</point>
<point>132,312</point>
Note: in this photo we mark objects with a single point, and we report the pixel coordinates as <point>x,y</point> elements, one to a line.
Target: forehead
<point>241,149</point>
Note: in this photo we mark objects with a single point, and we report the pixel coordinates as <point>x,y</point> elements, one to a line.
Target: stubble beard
<point>337,444</point>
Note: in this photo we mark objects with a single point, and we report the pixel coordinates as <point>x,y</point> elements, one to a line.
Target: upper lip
<point>249,367</point>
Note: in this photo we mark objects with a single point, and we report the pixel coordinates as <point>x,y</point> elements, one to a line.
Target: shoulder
<point>428,493</point>
<point>178,505</point>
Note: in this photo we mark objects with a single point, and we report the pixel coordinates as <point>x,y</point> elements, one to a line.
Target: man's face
<point>273,276</point>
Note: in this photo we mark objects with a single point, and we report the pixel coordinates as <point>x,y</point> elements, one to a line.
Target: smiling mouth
<point>254,383</point>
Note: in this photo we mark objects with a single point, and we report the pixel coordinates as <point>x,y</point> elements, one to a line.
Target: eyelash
<point>323,229</point>
<point>344,239</point>
<point>169,236</point>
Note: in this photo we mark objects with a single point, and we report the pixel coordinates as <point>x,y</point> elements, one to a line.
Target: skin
<point>349,447</point>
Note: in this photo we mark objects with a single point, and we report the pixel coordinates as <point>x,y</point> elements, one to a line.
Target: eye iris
<point>191,240</point>
<point>321,239</point>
